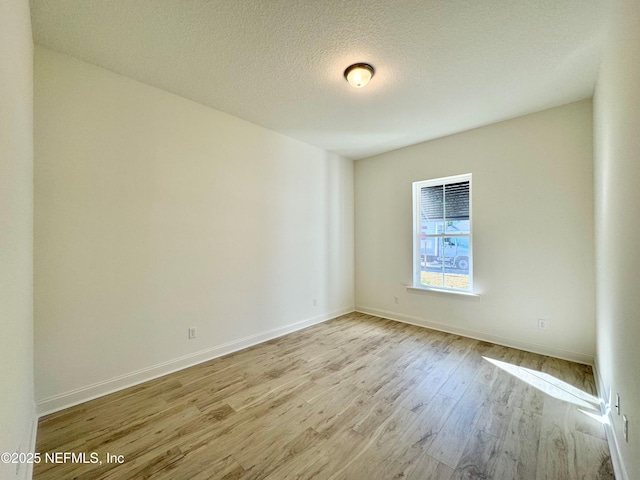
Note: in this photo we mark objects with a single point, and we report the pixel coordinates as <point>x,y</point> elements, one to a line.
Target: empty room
<point>281,239</point>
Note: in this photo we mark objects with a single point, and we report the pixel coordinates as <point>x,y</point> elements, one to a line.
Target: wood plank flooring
<point>357,397</point>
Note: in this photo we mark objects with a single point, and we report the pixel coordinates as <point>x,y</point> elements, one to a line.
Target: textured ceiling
<point>442,66</point>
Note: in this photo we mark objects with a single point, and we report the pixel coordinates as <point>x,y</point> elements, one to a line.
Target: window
<point>442,256</point>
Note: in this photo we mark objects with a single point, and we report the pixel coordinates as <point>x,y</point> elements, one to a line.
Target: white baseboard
<point>487,337</point>
<point>99,389</point>
<point>614,448</point>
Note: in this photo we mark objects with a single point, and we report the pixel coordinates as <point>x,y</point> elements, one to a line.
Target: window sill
<point>441,290</point>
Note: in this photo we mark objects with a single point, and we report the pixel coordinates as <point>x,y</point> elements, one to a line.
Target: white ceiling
<point>442,66</point>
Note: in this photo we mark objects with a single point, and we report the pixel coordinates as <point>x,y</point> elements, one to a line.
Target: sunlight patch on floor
<point>551,386</point>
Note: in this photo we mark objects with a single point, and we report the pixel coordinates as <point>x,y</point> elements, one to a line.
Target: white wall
<point>155,214</point>
<point>17,413</point>
<point>533,232</point>
<point>617,179</point>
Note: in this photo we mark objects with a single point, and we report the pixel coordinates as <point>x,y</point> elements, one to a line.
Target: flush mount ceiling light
<point>359,74</point>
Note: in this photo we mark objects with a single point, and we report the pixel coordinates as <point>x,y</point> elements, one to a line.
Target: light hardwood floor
<point>357,397</point>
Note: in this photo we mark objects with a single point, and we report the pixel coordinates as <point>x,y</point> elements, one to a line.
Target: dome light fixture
<point>359,74</point>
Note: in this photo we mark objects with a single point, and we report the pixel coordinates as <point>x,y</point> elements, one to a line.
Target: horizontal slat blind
<point>445,202</point>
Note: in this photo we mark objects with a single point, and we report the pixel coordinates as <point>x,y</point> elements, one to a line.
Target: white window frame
<point>417,186</point>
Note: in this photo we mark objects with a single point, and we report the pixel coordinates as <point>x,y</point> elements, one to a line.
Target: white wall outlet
<point>542,324</point>
<point>625,428</point>
<point>395,300</point>
<point>192,332</point>
<point>315,302</point>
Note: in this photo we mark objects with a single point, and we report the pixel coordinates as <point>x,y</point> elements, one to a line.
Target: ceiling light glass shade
<point>359,74</point>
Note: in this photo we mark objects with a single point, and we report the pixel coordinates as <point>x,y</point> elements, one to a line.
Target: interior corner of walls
<point>600,385</point>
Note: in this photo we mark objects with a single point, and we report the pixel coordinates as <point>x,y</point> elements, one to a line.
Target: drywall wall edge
<point>31,444</point>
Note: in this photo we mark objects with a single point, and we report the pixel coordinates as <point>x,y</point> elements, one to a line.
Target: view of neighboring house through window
<point>442,233</point>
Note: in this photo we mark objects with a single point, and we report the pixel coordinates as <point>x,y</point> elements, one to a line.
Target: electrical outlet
<point>617,403</point>
<point>542,324</point>
<point>625,428</point>
<point>395,300</point>
<point>315,302</point>
<point>192,332</point>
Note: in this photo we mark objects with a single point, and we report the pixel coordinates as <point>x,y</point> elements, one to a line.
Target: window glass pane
<point>431,267</point>
<point>429,251</point>
<point>458,226</point>
<point>457,281</point>
<point>432,209</point>
<point>456,260</point>
<point>456,207</point>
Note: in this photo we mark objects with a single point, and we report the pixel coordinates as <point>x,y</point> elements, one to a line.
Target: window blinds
<point>445,202</point>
